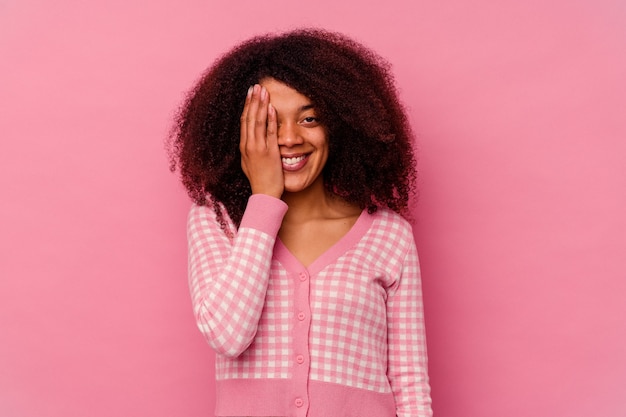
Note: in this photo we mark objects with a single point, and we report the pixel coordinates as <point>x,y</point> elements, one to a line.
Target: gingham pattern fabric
<point>228,282</point>
<point>360,305</point>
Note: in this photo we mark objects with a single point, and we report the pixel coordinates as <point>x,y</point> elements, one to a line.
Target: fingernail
<point>250,91</point>
<point>263,93</point>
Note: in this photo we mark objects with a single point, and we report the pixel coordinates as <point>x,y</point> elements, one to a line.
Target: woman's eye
<point>309,120</point>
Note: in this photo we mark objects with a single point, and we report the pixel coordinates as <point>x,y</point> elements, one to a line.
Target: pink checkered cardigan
<point>342,337</point>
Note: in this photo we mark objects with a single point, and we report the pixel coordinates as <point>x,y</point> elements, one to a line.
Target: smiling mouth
<point>294,163</point>
<point>293,160</point>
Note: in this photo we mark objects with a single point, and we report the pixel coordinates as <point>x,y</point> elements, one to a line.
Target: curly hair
<point>371,162</point>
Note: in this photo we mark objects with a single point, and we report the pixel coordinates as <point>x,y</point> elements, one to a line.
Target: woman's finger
<point>249,121</point>
<point>243,121</point>
<point>260,120</point>
<point>272,128</point>
<point>252,139</point>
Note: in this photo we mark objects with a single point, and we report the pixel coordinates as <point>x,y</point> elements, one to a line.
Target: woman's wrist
<point>264,212</point>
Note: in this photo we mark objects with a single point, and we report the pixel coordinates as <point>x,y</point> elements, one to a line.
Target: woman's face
<point>302,139</point>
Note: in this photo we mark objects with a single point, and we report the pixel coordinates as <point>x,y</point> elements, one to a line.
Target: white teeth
<point>293,161</point>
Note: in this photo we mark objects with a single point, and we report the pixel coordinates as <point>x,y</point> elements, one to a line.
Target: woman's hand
<point>260,157</point>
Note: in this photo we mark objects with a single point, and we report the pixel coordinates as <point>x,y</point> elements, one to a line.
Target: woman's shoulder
<point>392,223</point>
<point>389,233</point>
<point>387,242</point>
<point>201,213</point>
<point>205,217</point>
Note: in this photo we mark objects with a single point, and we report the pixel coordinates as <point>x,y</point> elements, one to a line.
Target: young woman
<point>303,273</point>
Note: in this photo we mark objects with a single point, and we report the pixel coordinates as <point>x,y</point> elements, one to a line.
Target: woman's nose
<point>288,135</point>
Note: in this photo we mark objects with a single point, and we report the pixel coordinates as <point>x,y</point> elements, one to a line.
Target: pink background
<point>520,109</point>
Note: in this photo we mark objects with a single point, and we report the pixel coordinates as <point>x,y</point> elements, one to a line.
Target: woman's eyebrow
<point>306,107</point>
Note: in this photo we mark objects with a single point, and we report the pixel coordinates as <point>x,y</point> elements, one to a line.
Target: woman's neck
<point>316,202</point>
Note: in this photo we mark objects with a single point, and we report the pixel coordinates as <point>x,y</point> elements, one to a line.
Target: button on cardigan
<point>343,337</point>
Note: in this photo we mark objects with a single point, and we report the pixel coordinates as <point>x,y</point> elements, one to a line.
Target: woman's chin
<point>300,185</point>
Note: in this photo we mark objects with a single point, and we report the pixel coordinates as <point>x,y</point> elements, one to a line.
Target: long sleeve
<point>228,279</point>
<point>407,371</point>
